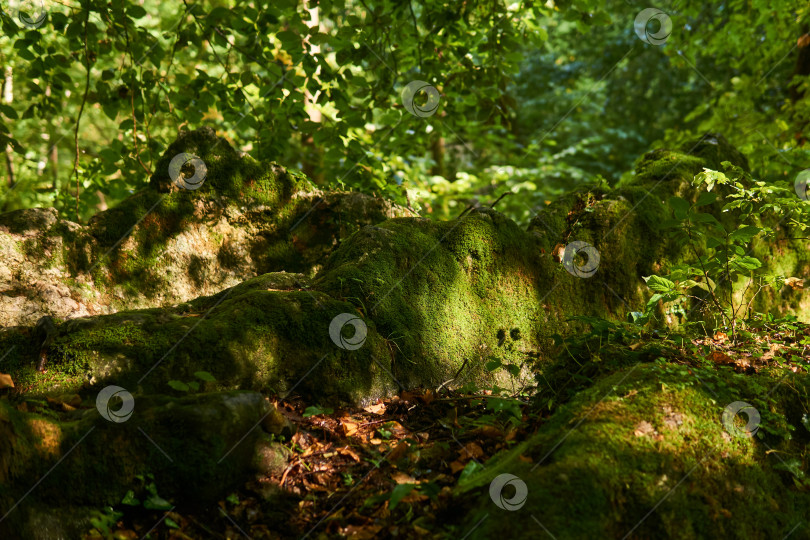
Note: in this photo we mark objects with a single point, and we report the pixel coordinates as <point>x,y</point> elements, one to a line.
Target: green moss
<point>667,166</point>
<point>197,447</point>
<point>442,292</point>
<point>228,173</point>
<point>644,452</point>
<point>250,337</point>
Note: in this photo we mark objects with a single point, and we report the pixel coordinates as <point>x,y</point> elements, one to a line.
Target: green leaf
<point>679,206</point>
<point>659,284</point>
<point>315,410</point>
<point>136,12</point>
<point>470,470</point>
<point>205,376</point>
<point>399,492</point>
<point>707,218</point>
<point>745,234</point>
<point>129,499</point>
<point>156,502</point>
<point>492,365</point>
<point>747,263</point>
<point>706,198</point>
<point>219,13</point>
<point>179,385</point>
<point>713,242</point>
<point>8,111</point>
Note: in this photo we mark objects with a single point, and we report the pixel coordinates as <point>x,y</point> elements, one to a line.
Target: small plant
<point>151,500</point>
<point>315,410</point>
<point>192,386</point>
<point>105,522</point>
<point>721,255</point>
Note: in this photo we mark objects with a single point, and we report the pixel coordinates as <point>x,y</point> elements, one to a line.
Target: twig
<point>81,110</point>
<point>416,31</point>
<point>455,377</point>
<point>499,198</point>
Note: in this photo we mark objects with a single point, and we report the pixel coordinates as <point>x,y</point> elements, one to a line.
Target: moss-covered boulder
<point>166,244</point>
<point>189,449</point>
<point>645,453</point>
<point>267,334</point>
<point>444,302</point>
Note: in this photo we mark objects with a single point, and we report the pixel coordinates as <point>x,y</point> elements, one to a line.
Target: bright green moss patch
<point>442,293</point>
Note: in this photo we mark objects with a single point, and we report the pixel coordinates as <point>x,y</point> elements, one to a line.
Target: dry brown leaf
<point>457,466</point>
<point>720,358</point>
<point>376,408</point>
<point>347,451</point>
<point>794,283</point>
<point>5,381</point>
<point>349,428</point>
<point>490,432</point>
<point>471,450</point>
<point>398,452</point>
<point>403,478</point>
<point>673,421</point>
<point>770,353</point>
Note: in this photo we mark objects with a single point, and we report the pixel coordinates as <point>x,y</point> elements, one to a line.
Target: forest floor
<point>385,470</point>
<point>390,470</point>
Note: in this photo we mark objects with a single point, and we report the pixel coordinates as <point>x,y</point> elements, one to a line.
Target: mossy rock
<point>227,172</point>
<point>164,245</point>
<point>643,454</point>
<point>194,447</point>
<point>265,334</point>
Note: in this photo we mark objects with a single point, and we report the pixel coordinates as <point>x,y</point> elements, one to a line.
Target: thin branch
<point>418,39</point>
<point>81,110</point>
<point>705,274</point>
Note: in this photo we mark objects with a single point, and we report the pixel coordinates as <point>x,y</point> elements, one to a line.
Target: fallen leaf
<point>490,432</point>
<point>349,452</point>
<point>720,358</point>
<point>403,478</point>
<point>376,408</point>
<point>471,450</point>
<point>794,283</point>
<point>673,421</point>
<point>398,452</point>
<point>349,428</point>
<point>5,381</point>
